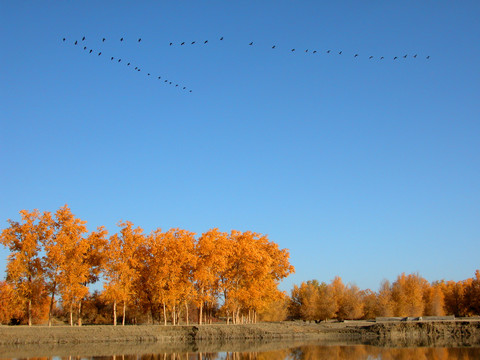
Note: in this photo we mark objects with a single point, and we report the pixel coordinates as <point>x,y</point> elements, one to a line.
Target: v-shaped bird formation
<point>274,47</point>
<point>127,64</point>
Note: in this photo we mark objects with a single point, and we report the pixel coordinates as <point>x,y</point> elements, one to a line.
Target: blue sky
<point>362,168</point>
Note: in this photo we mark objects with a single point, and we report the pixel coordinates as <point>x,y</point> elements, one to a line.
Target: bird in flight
<point>293,49</point>
<point>328,51</point>
<point>371,57</point>
<point>119,60</point>
<point>83,39</point>
<point>84,48</point>
<point>405,56</point>
<point>273,47</point>
<point>251,43</point>
<point>103,40</point>
<point>428,57</point>
<point>171,44</point>
<point>415,56</point>
<point>206,41</point>
<point>100,53</point>
<point>340,53</point>
<point>381,58</point>
<point>139,39</point>
<point>314,51</point>
<point>64,39</point>
<point>111,58</point>
<point>121,39</point>
<point>395,58</point>
<point>193,42</point>
<point>128,64</point>
<point>90,51</point>
<point>183,43</point>
<point>356,55</point>
<point>76,42</point>
<point>306,51</point>
<point>221,38</point>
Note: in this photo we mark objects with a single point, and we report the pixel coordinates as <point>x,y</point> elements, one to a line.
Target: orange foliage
<point>121,265</point>
<point>409,295</point>
<point>9,306</point>
<point>24,267</point>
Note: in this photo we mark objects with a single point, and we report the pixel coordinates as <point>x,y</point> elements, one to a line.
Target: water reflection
<point>308,352</point>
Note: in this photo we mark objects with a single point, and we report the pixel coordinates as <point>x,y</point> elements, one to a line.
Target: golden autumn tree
<point>253,271</point>
<point>121,264</point>
<point>24,267</point>
<point>211,251</point>
<point>92,261</point>
<point>434,299</point>
<point>276,310</point>
<point>351,304</point>
<point>65,262</point>
<point>278,268</point>
<point>472,294</point>
<point>327,305</point>
<point>308,297</point>
<point>181,252</point>
<point>369,300</point>
<point>385,306</point>
<point>338,291</point>
<point>407,295</point>
<point>454,297</point>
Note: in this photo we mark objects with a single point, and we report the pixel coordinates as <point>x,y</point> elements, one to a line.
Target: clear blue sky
<point>362,168</point>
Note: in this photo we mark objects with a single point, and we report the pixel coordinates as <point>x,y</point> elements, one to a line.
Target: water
<point>305,352</point>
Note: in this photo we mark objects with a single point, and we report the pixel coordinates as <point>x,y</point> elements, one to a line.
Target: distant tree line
<point>408,295</point>
<point>168,276</point>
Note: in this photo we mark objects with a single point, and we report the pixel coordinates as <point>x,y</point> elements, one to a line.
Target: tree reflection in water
<point>308,352</point>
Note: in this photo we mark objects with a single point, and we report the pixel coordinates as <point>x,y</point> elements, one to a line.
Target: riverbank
<point>434,333</point>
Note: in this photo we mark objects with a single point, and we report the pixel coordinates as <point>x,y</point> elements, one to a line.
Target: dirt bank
<point>105,340</point>
<point>435,333</point>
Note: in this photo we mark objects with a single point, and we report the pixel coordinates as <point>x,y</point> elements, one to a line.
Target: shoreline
<point>108,339</point>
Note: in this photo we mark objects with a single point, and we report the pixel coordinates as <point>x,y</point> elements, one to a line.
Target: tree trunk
<point>71,314</point>
<point>186,312</point>
<point>164,314</point>
<point>29,312</point>
<point>173,316</point>
<point>52,300</point>
<point>124,310</point>
<point>80,313</point>
<point>115,313</point>
<point>200,313</point>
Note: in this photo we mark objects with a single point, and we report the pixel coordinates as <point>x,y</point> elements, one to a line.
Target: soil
<point>24,341</point>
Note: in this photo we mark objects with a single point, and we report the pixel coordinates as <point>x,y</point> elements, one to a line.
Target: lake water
<point>307,352</point>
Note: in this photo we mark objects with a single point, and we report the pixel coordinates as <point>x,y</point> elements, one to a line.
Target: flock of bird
<point>274,46</point>
<point>129,64</point>
<point>205,42</point>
